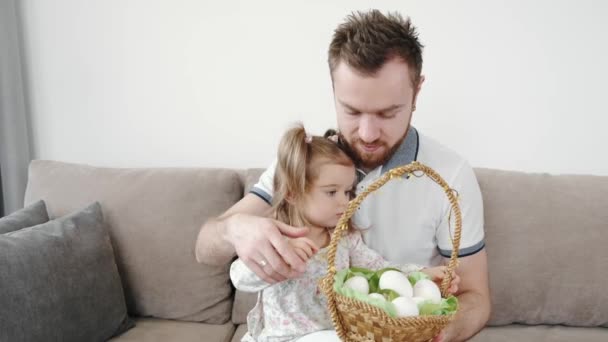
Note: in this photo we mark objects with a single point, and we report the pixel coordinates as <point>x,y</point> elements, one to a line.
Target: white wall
<point>510,84</point>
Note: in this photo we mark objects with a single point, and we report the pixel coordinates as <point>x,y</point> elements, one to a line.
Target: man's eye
<point>388,115</point>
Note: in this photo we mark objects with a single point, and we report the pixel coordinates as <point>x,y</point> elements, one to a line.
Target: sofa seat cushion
<point>516,332</point>
<point>541,333</point>
<point>161,330</point>
<point>239,333</point>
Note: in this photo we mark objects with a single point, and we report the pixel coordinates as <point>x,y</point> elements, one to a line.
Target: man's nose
<point>369,130</point>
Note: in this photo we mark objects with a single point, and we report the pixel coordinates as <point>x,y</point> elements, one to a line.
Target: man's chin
<point>371,161</point>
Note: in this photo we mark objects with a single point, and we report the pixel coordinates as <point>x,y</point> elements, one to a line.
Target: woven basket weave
<point>355,320</point>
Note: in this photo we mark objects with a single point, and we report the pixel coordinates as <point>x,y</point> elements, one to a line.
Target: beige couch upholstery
<point>546,237</point>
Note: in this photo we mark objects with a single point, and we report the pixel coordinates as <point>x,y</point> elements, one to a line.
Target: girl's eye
<point>331,193</point>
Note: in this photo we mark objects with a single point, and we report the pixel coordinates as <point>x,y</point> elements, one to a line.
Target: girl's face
<point>326,200</point>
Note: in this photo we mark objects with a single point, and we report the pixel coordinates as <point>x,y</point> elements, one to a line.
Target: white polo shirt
<point>406,220</point>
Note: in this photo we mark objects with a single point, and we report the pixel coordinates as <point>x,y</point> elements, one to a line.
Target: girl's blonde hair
<point>299,159</point>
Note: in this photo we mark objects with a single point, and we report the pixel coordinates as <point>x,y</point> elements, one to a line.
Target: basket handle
<point>397,172</point>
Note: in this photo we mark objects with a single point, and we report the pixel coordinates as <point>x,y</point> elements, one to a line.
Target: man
<point>375,63</point>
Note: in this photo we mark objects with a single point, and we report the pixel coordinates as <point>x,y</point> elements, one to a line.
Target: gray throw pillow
<point>29,216</point>
<point>59,282</point>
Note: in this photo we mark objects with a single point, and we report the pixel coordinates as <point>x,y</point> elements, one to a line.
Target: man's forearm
<point>212,247</point>
<point>473,314</point>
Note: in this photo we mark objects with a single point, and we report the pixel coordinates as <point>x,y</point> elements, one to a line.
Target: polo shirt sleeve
<point>264,187</point>
<point>471,206</point>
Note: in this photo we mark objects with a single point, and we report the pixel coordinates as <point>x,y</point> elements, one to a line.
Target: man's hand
<point>261,244</point>
<point>473,299</point>
<point>440,337</point>
<point>438,273</point>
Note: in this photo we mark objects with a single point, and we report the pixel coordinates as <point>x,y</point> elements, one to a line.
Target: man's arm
<point>246,231</point>
<point>473,298</point>
<point>213,246</point>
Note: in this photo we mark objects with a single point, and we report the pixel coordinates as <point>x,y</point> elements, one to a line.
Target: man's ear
<point>417,91</point>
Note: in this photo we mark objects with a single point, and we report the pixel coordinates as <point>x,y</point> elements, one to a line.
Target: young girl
<point>313,184</point>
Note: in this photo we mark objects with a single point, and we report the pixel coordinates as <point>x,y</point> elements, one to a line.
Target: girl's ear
<point>290,198</point>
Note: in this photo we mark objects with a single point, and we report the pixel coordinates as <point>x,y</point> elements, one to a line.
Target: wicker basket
<point>355,320</point>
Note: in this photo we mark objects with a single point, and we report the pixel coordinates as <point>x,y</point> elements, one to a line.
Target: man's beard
<point>369,161</point>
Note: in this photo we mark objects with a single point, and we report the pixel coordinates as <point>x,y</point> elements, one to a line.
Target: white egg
<point>427,289</point>
<point>418,300</point>
<point>358,283</point>
<point>396,281</point>
<point>405,306</point>
<point>377,296</point>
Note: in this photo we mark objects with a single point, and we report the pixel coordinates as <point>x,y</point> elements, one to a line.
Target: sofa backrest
<point>153,216</point>
<point>545,239</point>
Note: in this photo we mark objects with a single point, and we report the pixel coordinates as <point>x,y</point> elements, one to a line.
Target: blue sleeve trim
<point>261,194</point>
<point>463,252</point>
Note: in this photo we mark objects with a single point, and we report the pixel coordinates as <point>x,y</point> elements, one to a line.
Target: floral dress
<point>293,308</point>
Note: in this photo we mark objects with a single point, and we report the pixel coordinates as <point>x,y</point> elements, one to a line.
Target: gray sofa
<point>546,241</point>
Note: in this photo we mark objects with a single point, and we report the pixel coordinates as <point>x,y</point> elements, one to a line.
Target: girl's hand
<point>304,247</point>
<point>438,273</point>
